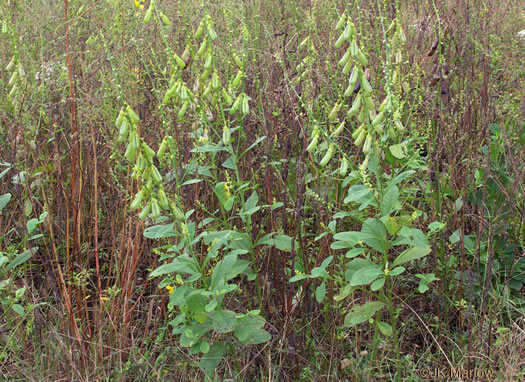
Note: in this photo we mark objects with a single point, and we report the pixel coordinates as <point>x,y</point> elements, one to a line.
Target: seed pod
<point>177,213</point>
<point>132,115</point>
<point>169,93</point>
<point>245,108</point>
<point>120,118</point>
<point>358,131</point>
<point>140,164</point>
<point>4,27</point>
<point>226,135</point>
<point>148,152</point>
<point>236,105</point>
<point>155,209</point>
<point>21,70</point>
<point>135,141</point>
<point>131,153</point>
<point>227,98</point>
<point>355,106</point>
<point>124,129</point>
<point>354,77</point>
<point>202,48</point>
<point>391,133</point>
<point>200,30</point>
<point>205,74</point>
<point>149,13</point>
<point>379,128</point>
<point>341,23</point>
<point>361,57</point>
<point>343,168</point>
<point>327,156</point>
<point>368,144</point>
<point>156,174</point>
<point>378,119</point>
<point>138,198</point>
<point>367,88</point>
<point>237,80</point>
<point>348,32</point>
<point>345,58</point>
<point>184,93</point>
<point>313,145</point>
<point>13,91</point>
<point>347,67</point>
<point>162,148</point>
<point>145,212</point>
<point>399,125</point>
<point>212,34</point>
<point>206,91</point>
<point>215,81</point>
<point>369,102</point>
<point>208,62</point>
<point>364,165</point>
<point>183,109</point>
<point>340,40</point>
<point>179,60</point>
<point>354,49</point>
<point>363,115</point>
<point>339,129</point>
<point>360,139</point>
<point>13,78</point>
<point>333,114</point>
<point>163,199</point>
<point>11,64</point>
<point>165,19</point>
<point>237,60</point>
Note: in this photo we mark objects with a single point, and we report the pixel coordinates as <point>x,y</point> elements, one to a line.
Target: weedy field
<point>262,190</point>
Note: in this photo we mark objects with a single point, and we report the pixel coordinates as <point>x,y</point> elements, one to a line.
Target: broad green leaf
<point>374,234</point>
<point>356,265</point>
<point>359,194</point>
<point>410,254</point>
<point>31,225</point>
<point>19,309</point>
<point>248,330</point>
<point>366,276</point>
<point>362,313</point>
<point>196,302</point>
<point>257,141</point>
<point>231,163</point>
<point>181,264</point>
<point>265,240</point>
<point>28,207</point>
<point>390,200</point>
<point>396,271</point>
<point>378,284</point>
<point>191,181</point>
<point>354,253</point>
<point>204,347</point>
<point>160,231</point>
<point>399,150</point>
<point>345,291</point>
<point>299,277</point>
<point>210,306</point>
<point>4,199</point>
<point>348,236</point>
<point>320,292</point>
<point>212,359</point>
<point>21,258</point>
<point>223,321</point>
<point>221,270</point>
<point>384,328</point>
<point>283,242</point>
<point>435,227</point>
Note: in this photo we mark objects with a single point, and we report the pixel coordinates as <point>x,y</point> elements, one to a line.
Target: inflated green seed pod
<point>184,93</point>
<point>207,91</point>
<point>155,209</point>
<point>13,78</point>
<point>245,107</point>
<point>205,74</point>
<point>365,85</point>
<point>313,145</point>
<point>327,156</point>
<point>347,67</point>
<point>149,13</point>
<point>236,105</point>
<point>131,153</point>
<point>226,135</point>
<point>345,58</point>
<point>369,102</point>
<point>156,174</point>
<point>120,118</point>
<point>364,165</point>
<point>212,34</point>
<point>391,133</point>
<point>177,213</point>
<point>209,61</point>
<point>227,98</point>
<point>237,80</point>
<point>237,60</point>
<point>341,23</point>
<point>13,91</point>
<point>358,131</point>
<point>339,129</point>
<point>333,113</point>
<point>361,57</point>
<point>368,144</point>
<point>11,64</point>
<point>354,49</point>
<point>363,115</point>
<point>140,164</point>
<point>355,106</point>
<point>21,70</point>
<point>163,199</point>
<point>179,61</point>
<point>200,30</point>
<point>162,148</point>
<point>215,81</point>
<point>132,115</point>
<point>170,93</point>
<point>343,168</point>
<point>4,27</point>
<point>378,119</point>
<point>145,212</point>
<point>183,109</point>
<point>202,48</point>
<point>148,152</point>
<point>135,140</point>
<point>339,42</point>
<point>399,125</point>
<point>348,32</point>
<point>165,19</point>
<point>138,199</point>
<point>361,138</point>
<point>123,131</point>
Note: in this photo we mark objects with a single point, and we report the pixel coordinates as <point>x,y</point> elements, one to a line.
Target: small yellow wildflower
<point>137,4</point>
<point>169,288</point>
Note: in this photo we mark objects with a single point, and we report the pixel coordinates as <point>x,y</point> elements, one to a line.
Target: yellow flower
<point>169,288</point>
<point>137,3</point>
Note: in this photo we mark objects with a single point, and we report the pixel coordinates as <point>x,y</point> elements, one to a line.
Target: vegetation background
<point>232,224</point>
